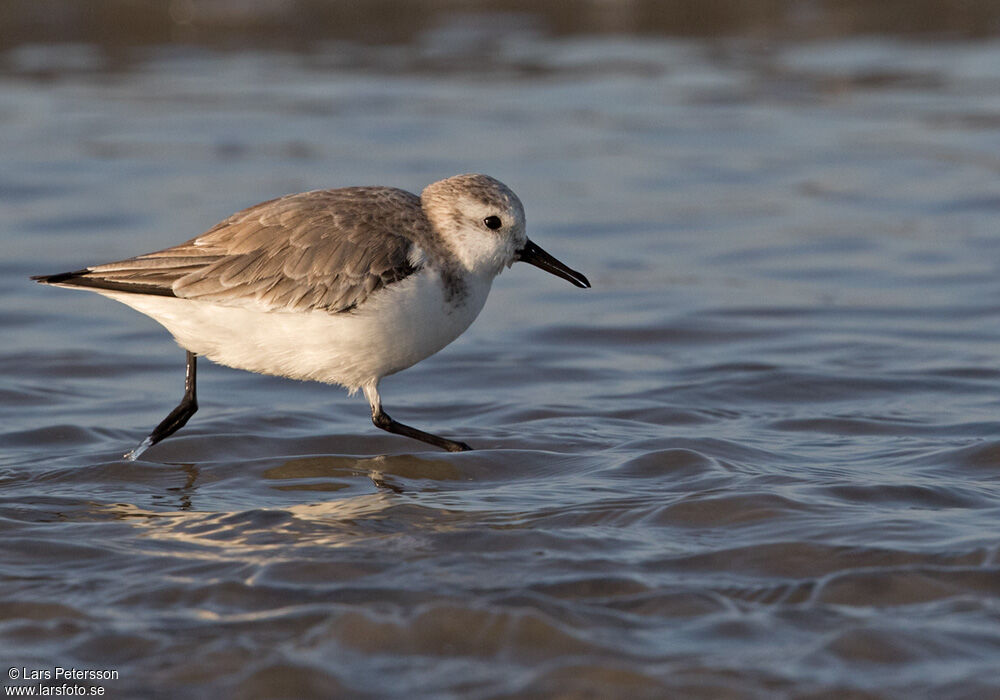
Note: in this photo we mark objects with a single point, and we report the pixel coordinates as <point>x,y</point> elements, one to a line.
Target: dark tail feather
<point>61,277</point>
<point>83,278</point>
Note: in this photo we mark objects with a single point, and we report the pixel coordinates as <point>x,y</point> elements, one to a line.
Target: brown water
<point>760,458</point>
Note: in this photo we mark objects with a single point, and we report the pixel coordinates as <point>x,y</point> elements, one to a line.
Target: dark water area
<point>759,459</point>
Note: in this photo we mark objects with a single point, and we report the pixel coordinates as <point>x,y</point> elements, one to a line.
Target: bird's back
<point>320,250</point>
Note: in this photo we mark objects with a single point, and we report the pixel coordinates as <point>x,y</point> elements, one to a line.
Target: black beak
<point>534,255</point>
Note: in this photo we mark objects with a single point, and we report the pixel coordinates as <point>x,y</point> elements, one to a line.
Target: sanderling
<point>342,286</point>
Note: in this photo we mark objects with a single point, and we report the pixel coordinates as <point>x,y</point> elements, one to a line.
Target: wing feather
<point>326,249</point>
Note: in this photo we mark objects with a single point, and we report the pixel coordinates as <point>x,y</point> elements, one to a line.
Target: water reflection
<point>188,489</point>
<point>259,531</point>
<point>404,466</point>
<point>334,473</point>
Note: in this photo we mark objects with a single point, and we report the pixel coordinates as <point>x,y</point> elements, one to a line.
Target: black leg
<point>382,420</point>
<point>179,416</point>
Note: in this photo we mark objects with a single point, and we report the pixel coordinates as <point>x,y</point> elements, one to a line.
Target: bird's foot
<point>134,453</point>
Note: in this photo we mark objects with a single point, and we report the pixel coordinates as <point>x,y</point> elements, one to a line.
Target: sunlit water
<point>759,458</point>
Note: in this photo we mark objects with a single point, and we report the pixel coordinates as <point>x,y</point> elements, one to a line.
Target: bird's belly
<point>394,329</point>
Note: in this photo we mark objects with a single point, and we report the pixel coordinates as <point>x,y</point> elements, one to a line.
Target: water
<point>759,458</point>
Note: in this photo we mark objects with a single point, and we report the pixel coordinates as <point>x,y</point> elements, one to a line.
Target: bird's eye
<point>492,222</point>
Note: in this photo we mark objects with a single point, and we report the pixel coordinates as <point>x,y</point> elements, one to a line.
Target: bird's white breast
<point>393,329</point>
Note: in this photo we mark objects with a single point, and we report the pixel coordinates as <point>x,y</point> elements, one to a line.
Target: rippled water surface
<point>759,458</point>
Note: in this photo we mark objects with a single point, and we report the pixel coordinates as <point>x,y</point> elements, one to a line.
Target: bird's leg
<point>382,420</point>
<point>179,416</point>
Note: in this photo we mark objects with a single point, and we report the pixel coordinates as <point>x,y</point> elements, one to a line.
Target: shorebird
<point>343,286</point>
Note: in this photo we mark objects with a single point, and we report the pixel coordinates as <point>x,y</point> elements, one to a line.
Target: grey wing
<point>327,249</point>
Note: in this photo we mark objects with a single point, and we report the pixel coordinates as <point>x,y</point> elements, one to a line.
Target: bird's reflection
<point>325,473</point>
<point>186,491</point>
<point>384,471</point>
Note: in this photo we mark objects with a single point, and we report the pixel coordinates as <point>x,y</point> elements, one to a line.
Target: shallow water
<point>759,458</point>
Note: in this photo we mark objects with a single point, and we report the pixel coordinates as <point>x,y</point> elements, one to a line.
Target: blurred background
<point>296,24</point>
<point>759,458</point>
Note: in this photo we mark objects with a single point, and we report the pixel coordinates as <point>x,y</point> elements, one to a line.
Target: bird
<point>343,286</point>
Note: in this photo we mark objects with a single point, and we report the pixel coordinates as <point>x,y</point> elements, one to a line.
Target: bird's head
<point>482,222</point>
